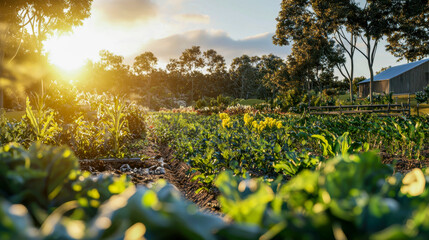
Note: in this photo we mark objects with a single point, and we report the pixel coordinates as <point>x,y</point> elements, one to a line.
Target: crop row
<point>44,196</point>
<point>272,145</point>
<point>101,126</point>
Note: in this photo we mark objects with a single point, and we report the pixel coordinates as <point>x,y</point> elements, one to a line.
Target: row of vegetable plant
<point>100,126</point>
<point>43,195</point>
<point>269,145</point>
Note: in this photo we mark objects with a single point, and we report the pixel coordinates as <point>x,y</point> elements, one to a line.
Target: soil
<point>162,165</point>
<point>403,164</point>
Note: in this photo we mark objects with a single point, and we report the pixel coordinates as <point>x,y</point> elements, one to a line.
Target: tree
<point>176,81</point>
<point>409,38</point>
<point>404,22</point>
<point>112,70</point>
<point>342,16</point>
<point>374,20</point>
<point>191,61</point>
<point>216,76</point>
<point>42,18</point>
<point>306,24</point>
<point>274,77</point>
<point>39,18</point>
<point>144,64</point>
<point>245,75</point>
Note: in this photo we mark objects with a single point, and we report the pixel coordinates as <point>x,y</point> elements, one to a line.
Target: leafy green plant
<point>339,145</point>
<point>41,122</point>
<point>412,136</point>
<point>353,196</point>
<point>34,177</point>
<point>87,139</point>
<point>421,97</point>
<point>116,125</point>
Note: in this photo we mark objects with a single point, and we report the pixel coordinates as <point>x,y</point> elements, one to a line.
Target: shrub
<point>421,97</point>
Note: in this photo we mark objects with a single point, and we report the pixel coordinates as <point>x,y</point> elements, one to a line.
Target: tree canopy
<point>311,25</point>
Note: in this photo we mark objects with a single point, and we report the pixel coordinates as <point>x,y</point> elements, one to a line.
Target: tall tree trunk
<point>352,64</point>
<point>3,33</point>
<point>1,74</point>
<point>371,72</point>
<point>242,87</point>
<point>192,91</point>
<point>149,95</point>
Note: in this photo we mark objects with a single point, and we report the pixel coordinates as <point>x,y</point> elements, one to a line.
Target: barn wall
<point>412,81</point>
<point>378,87</point>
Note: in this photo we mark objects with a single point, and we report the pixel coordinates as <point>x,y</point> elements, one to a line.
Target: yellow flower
<point>414,183</point>
<point>248,120</point>
<point>223,116</point>
<point>255,124</point>
<point>226,123</point>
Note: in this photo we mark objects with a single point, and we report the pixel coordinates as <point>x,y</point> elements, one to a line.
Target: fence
<point>404,109</point>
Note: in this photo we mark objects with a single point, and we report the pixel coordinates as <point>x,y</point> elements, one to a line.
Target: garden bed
<point>176,172</point>
<point>160,165</point>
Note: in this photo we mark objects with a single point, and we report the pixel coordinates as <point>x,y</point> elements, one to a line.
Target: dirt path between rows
<point>160,165</point>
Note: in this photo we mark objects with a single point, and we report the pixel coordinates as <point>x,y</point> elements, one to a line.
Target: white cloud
<point>126,11</point>
<point>173,46</point>
<point>193,18</point>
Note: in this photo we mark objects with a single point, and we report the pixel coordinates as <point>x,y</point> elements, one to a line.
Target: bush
<point>288,100</point>
<point>330,92</point>
<point>421,97</point>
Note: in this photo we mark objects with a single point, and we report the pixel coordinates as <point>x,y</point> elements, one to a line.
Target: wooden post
<point>418,109</point>
<point>409,105</point>
<point>388,109</point>
<point>396,102</point>
<point>1,97</point>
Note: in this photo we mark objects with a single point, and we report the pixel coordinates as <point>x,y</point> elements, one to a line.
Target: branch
<point>16,53</point>
<point>24,24</point>
<point>364,54</point>
<point>374,50</point>
<point>363,40</point>
<point>339,69</point>
<point>341,43</point>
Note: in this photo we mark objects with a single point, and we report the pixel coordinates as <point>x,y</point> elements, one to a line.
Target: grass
<point>250,102</point>
<point>17,115</point>
<point>344,97</point>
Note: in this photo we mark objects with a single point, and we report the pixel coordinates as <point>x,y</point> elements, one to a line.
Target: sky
<point>167,27</point>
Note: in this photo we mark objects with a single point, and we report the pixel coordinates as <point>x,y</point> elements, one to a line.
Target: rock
<point>161,160</point>
<point>141,171</point>
<point>125,168</point>
<point>159,171</point>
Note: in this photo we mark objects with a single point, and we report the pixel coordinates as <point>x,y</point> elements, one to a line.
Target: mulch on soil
<point>160,157</point>
<point>403,164</point>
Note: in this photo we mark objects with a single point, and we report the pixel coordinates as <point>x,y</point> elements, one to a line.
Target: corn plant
<point>411,138</point>
<point>87,140</point>
<point>116,124</point>
<point>41,122</point>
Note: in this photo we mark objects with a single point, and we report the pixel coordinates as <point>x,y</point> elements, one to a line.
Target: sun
<point>66,53</point>
<point>69,52</point>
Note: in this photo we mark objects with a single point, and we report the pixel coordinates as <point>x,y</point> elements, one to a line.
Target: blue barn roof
<point>395,71</point>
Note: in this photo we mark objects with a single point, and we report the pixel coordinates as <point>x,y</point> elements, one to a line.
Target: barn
<point>402,79</point>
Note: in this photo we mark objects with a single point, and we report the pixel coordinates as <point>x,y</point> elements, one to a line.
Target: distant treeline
<point>195,75</point>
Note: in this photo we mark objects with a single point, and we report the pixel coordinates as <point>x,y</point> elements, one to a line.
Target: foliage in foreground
<point>347,197</point>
